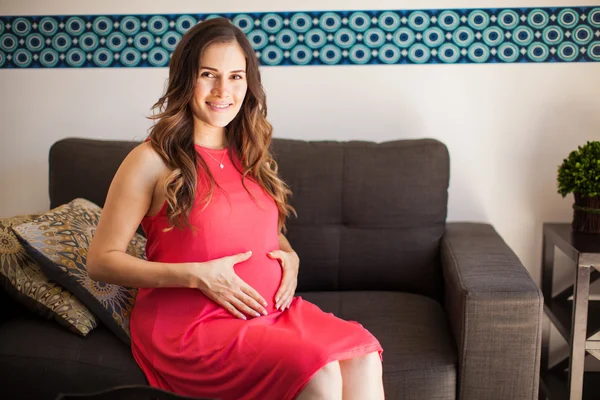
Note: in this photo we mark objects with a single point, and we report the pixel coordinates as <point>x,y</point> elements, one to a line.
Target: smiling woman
<point>217,75</point>
<point>215,315</point>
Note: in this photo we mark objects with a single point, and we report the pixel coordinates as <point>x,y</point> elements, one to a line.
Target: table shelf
<point>575,324</point>
<point>560,313</point>
<point>556,384</point>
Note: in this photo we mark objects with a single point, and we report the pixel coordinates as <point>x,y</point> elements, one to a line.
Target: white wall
<point>507,126</point>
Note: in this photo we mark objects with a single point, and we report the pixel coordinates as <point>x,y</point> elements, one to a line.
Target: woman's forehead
<point>224,57</point>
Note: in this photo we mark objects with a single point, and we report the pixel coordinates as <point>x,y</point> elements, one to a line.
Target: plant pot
<point>586,214</point>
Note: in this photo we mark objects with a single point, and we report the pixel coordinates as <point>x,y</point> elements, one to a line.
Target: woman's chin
<point>216,119</point>
<point>218,122</point>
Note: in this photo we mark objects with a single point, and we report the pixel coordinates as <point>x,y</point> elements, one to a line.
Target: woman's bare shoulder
<point>144,162</point>
<point>142,166</point>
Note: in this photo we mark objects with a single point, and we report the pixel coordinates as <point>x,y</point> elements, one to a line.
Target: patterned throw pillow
<point>23,280</point>
<point>59,240</point>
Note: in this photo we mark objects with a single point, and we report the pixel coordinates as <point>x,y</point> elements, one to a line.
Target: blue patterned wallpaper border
<point>509,35</point>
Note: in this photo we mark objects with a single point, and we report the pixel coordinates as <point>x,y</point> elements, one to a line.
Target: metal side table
<point>576,320</point>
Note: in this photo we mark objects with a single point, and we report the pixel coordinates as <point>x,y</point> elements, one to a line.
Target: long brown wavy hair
<point>249,134</point>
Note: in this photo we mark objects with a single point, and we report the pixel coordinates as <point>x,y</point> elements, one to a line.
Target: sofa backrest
<point>370,215</point>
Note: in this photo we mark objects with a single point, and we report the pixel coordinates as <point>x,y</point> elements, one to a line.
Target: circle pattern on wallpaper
<point>75,26</point>
<point>506,35</point>
<point>433,37</point>
<point>479,19</point>
<point>479,53</point>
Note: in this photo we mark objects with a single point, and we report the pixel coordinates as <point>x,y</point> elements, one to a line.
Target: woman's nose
<point>221,88</point>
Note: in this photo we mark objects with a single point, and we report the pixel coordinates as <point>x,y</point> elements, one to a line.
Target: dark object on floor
<point>134,392</point>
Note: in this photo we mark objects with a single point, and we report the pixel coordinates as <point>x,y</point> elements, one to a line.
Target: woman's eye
<point>208,74</point>
<point>237,77</point>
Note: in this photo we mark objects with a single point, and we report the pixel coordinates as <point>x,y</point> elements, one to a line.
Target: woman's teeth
<point>220,106</point>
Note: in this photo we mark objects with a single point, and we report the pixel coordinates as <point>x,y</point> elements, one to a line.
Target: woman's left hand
<point>290,263</point>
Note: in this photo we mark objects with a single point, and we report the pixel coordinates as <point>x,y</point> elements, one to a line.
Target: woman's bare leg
<point>326,384</point>
<point>362,378</point>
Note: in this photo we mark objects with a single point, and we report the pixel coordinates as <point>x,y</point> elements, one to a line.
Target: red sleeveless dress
<point>187,344</point>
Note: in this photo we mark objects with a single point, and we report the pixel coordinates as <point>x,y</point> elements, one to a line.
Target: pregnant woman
<point>215,315</point>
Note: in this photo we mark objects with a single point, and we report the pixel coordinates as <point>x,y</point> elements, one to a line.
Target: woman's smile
<point>219,107</point>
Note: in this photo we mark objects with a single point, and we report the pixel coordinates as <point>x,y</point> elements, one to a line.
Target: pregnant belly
<point>263,275</point>
<point>176,309</point>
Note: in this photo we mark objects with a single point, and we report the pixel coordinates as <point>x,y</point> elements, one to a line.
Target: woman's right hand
<point>219,282</point>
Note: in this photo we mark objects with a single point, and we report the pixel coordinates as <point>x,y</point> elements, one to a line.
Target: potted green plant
<point>580,174</point>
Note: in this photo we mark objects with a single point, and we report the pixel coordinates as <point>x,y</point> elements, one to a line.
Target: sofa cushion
<point>22,278</point>
<point>39,360</point>
<point>11,308</point>
<point>419,355</point>
<point>370,215</point>
<point>59,240</point>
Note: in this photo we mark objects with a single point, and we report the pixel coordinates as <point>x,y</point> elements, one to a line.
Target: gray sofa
<point>456,312</point>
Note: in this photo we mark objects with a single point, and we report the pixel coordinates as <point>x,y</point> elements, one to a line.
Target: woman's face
<point>221,85</point>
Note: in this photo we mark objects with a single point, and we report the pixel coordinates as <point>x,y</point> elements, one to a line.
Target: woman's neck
<point>211,140</point>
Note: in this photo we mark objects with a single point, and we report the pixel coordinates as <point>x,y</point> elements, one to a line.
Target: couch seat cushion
<point>40,359</point>
<point>419,354</point>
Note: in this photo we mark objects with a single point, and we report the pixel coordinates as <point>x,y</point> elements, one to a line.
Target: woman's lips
<point>218,107</point>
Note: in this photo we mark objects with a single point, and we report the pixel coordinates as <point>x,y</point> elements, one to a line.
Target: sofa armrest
<point>495,311</point>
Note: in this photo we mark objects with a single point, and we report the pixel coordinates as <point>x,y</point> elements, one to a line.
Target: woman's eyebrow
<point>216,70</point>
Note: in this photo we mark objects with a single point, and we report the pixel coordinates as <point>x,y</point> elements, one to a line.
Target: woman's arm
<point>284,245</point>
<point>128,200</point>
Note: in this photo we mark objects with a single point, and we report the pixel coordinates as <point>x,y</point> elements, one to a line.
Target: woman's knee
<point>363,365</point>
<point>325,384</point>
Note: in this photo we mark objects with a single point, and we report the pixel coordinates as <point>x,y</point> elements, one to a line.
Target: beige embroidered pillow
<point>59,241</point>
<point>22,278</point>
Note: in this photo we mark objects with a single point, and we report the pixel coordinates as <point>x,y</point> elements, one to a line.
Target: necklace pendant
<point>221,165</point>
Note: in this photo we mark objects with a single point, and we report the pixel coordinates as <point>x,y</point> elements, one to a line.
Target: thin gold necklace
<point>219,162</point>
